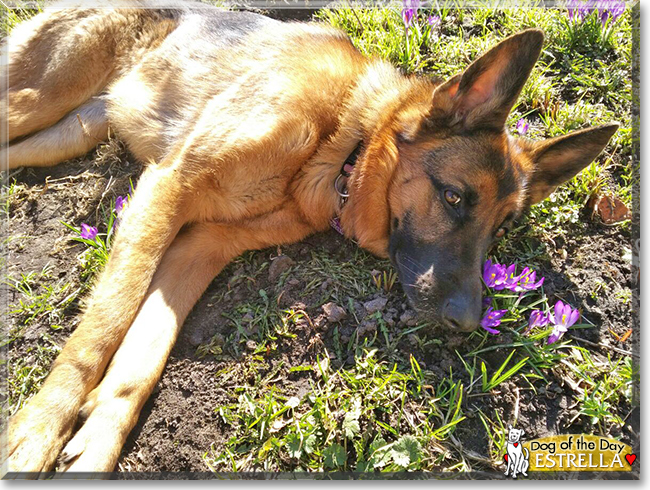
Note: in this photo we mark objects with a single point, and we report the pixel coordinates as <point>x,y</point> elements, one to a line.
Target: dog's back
<point>150,73</point>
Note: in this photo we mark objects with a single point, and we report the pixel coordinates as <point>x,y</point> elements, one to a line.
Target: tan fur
<point>244,158</point>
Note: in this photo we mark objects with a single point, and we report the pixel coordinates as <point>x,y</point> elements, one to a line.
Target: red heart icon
<point>516,444</point>
<point>631,458</point>
<point>505,456</point>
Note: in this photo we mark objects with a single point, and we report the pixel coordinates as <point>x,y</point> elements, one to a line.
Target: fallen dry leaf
<point>609,208</point>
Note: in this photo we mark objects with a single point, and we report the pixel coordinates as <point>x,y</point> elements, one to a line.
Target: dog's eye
<point>452,198</point>
<point>501,232</point>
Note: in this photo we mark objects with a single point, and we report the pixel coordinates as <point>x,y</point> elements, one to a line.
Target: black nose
<point>459,314</point>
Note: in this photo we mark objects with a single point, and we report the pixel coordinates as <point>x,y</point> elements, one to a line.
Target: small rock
<point>409,318</point>
<point>334,312</point>
<point>196,338</point>
<point>389,320</point>
<point>293,281</point>
<point>375,305</point>
<point>279,265</point>
<point>251,345</point>
<point>368,326</point>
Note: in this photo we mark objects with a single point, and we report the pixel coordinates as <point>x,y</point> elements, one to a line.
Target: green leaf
<point>334,456</point>
<point>406,450</point>
<point>379,453</point>
<point>351,421</point>
<point>350,426</point>
<point>310,443</point>
<point>293,445</point>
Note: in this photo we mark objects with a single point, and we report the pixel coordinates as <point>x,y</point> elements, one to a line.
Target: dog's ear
<point>509,427</point>
<point>482,96</point>
<point>557,160</point>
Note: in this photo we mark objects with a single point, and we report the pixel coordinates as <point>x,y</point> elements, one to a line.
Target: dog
<point>245,124</point>
<point>517,461</point>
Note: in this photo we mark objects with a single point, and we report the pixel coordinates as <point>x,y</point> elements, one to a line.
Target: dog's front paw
<point>34,438</point>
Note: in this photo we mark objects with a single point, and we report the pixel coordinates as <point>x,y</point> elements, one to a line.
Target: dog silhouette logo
<point>516,454</point>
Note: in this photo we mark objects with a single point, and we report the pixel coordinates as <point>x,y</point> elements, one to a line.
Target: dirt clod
<point>375,305</point>
<point>334,312</point>
<point>279,265</point>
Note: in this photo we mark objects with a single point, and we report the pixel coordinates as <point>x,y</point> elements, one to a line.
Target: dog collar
<point>341,184</point>
<point>341,181</point>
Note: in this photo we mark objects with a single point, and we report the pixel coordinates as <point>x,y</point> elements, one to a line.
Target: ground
<point>309,357</point>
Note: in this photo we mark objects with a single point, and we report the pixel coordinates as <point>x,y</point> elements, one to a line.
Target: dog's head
<point>441,179</point>
<point>514,435</point>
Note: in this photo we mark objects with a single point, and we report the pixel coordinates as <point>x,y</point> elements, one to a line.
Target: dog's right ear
<point>482,96</point>
<point>509,427</point>
<point>559,159</point>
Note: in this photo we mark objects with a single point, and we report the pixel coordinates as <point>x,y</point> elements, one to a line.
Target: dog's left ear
<point>482,96</point>
<point>557,160</point>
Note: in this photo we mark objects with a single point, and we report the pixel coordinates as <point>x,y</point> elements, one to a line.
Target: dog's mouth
<point>427,305</point>
<point>427,300</point>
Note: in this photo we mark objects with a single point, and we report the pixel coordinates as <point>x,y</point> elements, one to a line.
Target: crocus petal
<point>491,330</point>
<point>486,265</point>
<point>120,201</point>
<point>573,317</point>
<point>88,232</point>
<point>537,284</point>
<point>559,309</point>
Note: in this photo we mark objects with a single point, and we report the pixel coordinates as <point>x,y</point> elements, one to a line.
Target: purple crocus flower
<point>526,281</point>
<point>537,319</point>
<point>617,9</point>
<point>88,232</point>
<point>585,9</point>
<point>607,8</point>
<point>120,202</point>
<point>494,275</point>
<point>579,9</point>
<point>522,127</point>
<point>564,317</point>
<point>571,6</point>
<point>492,318</point>
<point>511,280</point>
<point>433,21</point>
<point>409,11</point>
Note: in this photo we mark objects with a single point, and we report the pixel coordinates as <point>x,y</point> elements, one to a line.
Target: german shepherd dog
<point>245,123</point>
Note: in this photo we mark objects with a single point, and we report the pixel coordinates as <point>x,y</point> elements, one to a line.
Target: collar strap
<point>340,184</point>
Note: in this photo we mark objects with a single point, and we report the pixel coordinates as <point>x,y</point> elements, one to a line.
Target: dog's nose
<point>458,314</point>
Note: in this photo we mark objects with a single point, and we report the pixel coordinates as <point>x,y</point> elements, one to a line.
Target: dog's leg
<point>187,268</point>
<point>192,261</point>
<point>53,63</point>
<point>74,135</point>
<point>36,434</point>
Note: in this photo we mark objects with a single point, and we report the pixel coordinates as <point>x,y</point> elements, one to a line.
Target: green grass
<point>20,11</point>
<point>370,417</point>
<point>39,297</point>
